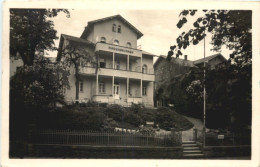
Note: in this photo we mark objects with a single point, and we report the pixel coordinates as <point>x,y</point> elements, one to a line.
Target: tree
<point>77,55</point>
<point>38,86</point>
<point>31,31</point>
<point>231,28</point>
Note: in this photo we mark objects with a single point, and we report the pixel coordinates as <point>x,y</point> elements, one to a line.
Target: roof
<point>147,53</point>
<point>191,63</point>
<point>70,38</point>
<point>89,27</point>
<point>176,60</point>
<point>76,39</point>
<point>208,58</point>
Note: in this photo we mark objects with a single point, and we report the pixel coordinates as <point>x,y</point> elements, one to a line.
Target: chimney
<point>185,57</point>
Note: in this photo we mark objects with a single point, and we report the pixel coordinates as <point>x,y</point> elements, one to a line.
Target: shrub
<point>147,114</point>
<point>134,119</point>
<point>168,119</point>
<point>116,112</point>
<point>91,118</point>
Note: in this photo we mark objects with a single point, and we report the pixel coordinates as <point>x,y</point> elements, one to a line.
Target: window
<point>128,44</point>
<point>114,28</point>
<point>81,86</point>
<point>103,39</point>
<point>144,91</point>
<point>130,66</point>
<point>119,29</point>
<point>144,69</point>
<point>117,64</point>
<point>116,42</point>
<point>102,63</point>
<point>102,87</point>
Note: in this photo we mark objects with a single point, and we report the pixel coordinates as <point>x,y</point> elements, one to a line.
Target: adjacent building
<point>165,70</point>
<point>121,73</point>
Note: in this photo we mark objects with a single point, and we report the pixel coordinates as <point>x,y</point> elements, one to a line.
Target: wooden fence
<point>73,137</point>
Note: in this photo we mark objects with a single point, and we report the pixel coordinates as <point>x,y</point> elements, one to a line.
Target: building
<point>165,70</point>
<point>120,73</point>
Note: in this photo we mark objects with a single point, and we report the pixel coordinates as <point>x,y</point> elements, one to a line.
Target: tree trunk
<point>77,81</point>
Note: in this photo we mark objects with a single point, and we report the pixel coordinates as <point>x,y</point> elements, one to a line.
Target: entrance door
<point>116,91</point>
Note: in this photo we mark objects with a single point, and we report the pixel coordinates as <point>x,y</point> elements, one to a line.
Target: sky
<point>158,26</point>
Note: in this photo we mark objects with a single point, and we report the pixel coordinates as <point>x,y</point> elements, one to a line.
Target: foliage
<point>168,119</point>
<point>38,86</point>
<point>134,119</point>
<point>229,94</point>
<point>116,112</point>
<point>76,55</point>
<point>31,31</point>
<point>35,89</point>
<point>90,118</point>
<point>195,90</point>
<point>231,28</point>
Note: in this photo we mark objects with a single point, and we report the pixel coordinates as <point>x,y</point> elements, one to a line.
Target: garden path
<point>187,135</point>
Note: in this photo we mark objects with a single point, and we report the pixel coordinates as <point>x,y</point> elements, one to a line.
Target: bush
<point>134,119</point>
<point>147,114</point>
<point>90,118</point>
<point>168,119</point>
<point>116,112</point>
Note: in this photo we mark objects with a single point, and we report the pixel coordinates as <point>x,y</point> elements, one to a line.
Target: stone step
<point>191,151</point>
<point>193,155</point>
<point>188,142</point>
<point>191,148</point>
<point>189,145</point>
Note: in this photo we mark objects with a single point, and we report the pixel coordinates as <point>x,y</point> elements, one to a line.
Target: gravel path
<point>187,135</point>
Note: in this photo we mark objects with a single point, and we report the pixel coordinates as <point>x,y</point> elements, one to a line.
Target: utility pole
<point>204,97</point>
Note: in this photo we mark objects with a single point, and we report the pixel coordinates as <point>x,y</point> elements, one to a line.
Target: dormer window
<point>114,28</point>
<point>116,42</point>
<point>119,29</point>
<point>128,44</point>
<point>103,39</point>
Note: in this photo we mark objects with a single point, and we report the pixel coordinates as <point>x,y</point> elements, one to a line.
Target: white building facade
<point>122,73</point>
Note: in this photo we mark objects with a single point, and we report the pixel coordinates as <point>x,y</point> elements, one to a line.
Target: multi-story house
<point>121,74</point>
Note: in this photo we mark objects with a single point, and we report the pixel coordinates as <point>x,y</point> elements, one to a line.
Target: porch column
<point>141,88</point>
<point>97,84</point>
<point>127,62</point>
<point>127,87</point>
<point>113,64</point>
<point>113,86</point>
<point>141,65</point>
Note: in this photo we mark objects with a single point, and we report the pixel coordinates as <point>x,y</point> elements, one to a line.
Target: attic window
<point>116,42</point>
<point>128,44</point>
<point>103,39</point>
<point>119,29</point>
<point>114,28</point>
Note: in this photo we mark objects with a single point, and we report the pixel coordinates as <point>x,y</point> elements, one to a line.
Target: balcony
<point>118,49</point>
<point>122,73</point>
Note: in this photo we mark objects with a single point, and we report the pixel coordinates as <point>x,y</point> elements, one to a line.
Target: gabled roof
<point>191,63</point>
<point>147,53</point>
<point>176,60</point>
<point>90,25</point>
<point>208,58</point>
<point>70,38</point>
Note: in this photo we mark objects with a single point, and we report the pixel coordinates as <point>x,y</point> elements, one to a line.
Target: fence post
<point>68,136</point>
<point>204,137</point>
<point>180,133</point>
<point>108,137</point>
<point>195,134</point>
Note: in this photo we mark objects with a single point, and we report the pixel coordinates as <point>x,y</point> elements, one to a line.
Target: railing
<point>72,137</point>
<point>221,139</point>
